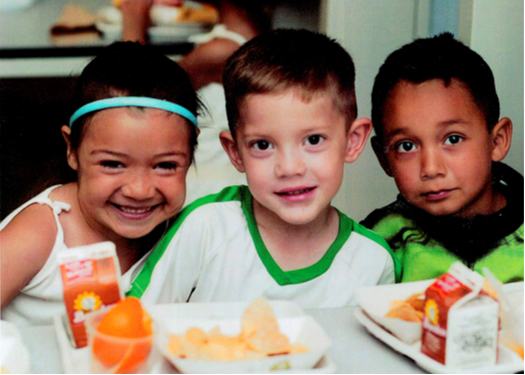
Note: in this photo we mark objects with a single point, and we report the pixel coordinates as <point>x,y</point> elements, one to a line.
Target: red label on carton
<point>439,298</point>
<point>460,323</point>
<point>90,279</point>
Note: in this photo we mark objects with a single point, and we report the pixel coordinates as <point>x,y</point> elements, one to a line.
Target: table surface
<point>353,349</point>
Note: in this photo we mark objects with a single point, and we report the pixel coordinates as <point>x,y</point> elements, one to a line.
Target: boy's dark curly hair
<point>439,57</point>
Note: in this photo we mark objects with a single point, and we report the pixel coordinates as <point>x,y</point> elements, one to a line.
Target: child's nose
<point>432,163</point>
<point>139,186</point>
<point>290,163</point>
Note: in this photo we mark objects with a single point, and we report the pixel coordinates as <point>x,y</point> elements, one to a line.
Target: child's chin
<point>439,211</point>
<point>299,219</point>
<point>134,234</point>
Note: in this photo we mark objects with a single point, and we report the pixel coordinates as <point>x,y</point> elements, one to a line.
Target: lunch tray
<point>508,361</point>
<point>76,361</point>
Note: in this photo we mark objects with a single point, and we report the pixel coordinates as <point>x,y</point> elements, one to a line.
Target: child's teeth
<point>135,210</point>
<point>296,192</point>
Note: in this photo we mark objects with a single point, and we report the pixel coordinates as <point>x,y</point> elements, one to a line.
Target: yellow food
<point>410,309</point>
<point>204,14</point>
<point>260,337</point>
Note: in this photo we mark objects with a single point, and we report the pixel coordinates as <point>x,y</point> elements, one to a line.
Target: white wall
<point>371,29</point>
<point>497,35</point>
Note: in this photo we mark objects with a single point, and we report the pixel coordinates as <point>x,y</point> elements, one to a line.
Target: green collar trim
<point>242,194</point>
<point>301,275</point>
<point>143,279</point>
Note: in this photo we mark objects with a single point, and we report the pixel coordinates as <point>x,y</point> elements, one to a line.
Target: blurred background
<point>39,61</point>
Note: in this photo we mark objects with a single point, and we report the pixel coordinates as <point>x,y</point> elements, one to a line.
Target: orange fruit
<point>126,320</point>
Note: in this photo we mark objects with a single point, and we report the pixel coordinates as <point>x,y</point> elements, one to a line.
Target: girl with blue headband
<point>130,142</point>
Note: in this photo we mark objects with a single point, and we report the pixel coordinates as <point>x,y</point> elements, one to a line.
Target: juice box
<point>90,277</point>
<point>461,322</point>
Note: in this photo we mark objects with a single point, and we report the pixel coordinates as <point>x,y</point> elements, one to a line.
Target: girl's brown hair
<point>133,69</point>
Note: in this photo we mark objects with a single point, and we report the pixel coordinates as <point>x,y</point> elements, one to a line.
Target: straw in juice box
<point>90,277</point>
<point>460,324</point>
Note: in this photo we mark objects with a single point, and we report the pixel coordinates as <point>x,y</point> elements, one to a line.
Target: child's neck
<point>495,201</point>
<point>130,251</point>
<point>77,232</point>
<point>297,246</point>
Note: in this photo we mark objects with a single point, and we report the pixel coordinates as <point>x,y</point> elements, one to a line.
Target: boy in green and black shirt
<point>435,112</point>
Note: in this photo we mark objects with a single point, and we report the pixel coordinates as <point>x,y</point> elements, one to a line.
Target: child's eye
<point>167,165</point>
<point>261,145</point>
<point>314,140</point>
<point>453,139</point>
<point>405,147</point>
<point>111,164</point>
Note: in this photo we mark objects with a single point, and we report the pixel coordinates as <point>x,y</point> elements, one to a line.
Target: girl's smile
<point>135,213</point>
<point>132,165</point>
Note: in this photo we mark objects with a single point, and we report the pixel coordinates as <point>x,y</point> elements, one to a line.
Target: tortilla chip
<point>259,316</point>
<point>417,301</point>
<point>260,337</point>
<point>298,348</point>
<point>405,312</point>
<point>175,345</point>
<point>196,336</point>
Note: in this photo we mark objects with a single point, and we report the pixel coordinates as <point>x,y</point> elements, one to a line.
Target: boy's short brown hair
<point>290,58</point>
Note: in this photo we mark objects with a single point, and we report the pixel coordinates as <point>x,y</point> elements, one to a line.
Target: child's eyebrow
<point>110,152</point>
<point>395,132</point>
<point>172,153</point>
<point>405,129</point>
<point>120,154</point>
<point>454,121</point>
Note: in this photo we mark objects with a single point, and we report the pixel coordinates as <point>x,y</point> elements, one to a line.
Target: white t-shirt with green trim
<point>214,253</point>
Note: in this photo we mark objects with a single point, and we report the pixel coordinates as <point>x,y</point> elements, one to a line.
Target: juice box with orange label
<point>90,276</point>
<point>460,324</point>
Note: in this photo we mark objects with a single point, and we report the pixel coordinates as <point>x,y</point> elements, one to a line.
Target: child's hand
<point>135,20</point>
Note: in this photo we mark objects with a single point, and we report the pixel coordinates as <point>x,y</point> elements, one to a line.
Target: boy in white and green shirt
<point>215,247</point>
<point>292,116</point>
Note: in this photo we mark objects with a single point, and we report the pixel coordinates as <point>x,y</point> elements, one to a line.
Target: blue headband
<point>132,101</point>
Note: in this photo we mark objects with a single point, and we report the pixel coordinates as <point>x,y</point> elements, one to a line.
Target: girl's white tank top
<point>42,298</point>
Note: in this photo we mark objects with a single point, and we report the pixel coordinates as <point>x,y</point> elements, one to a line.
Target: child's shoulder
<point>231,194</point>
<point>215,209</point>
<point>371,243</point>
<point>353,226</point>
<point>31,234</point>
<point>35,219</point>
<point>389,218</point>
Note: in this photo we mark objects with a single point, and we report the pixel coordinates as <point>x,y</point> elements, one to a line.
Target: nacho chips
<point>410,309</point>
<point>260,337</point>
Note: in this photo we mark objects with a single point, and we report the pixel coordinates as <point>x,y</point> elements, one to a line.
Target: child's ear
<point>379,150</point>
<point>230,146</point>
<point>501,136</point>
<point>71,155</point>
<point>356,138</point>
